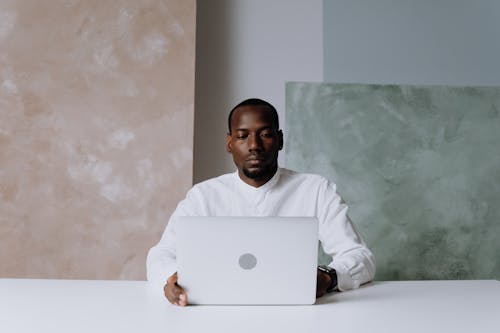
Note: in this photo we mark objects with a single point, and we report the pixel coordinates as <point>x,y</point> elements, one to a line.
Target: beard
<point>257,174</point>
<point>265,171</point>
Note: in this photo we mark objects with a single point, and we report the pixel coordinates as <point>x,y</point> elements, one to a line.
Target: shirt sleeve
<point>161,259</point>
<point>351,258</point>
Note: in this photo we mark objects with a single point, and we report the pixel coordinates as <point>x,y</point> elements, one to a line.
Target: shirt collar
<point>263,188</point>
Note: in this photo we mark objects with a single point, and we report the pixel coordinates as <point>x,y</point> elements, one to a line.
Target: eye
<point>241,136</point>
<point>267,134</point>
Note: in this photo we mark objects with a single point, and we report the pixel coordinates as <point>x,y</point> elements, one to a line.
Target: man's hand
<point>323,282</point>
<point>175,293</point>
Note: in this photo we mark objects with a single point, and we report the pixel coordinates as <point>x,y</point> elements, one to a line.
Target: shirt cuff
<point>345,281</point>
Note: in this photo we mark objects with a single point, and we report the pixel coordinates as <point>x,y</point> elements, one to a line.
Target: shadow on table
<point>346,296</point>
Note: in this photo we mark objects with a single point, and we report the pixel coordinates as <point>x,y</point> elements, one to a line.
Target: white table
<point>130,306</point>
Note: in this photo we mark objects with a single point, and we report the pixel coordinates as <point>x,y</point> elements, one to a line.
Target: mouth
<point>255,159</point>
<point>254,162</point>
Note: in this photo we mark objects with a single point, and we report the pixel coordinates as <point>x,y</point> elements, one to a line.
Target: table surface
<point>131,306</point>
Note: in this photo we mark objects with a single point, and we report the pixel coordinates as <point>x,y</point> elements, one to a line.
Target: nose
<point>254,143</point>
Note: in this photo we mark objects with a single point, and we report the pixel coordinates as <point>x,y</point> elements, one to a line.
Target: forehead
<point>249,116</point>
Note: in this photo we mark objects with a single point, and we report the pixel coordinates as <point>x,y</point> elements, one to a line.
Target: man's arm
<point>161,260</point>
<point>161,263</point>
<point>351,258</point>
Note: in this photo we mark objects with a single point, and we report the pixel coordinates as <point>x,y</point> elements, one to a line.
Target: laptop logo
<point>247,261</point>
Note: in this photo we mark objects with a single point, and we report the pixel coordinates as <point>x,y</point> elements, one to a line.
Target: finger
<point>172,292</point>
<point>183,299</point>
<point>175,293</point>
<point>169,289</point>
<point>181,295</point>
<point>169,294</point>
<point>178,295</point>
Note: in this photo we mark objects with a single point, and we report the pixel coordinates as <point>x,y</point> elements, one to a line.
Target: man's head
<point>254,139</point>
<point>256,102</point>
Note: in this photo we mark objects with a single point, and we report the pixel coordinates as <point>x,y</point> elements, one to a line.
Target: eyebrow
<point>259,129</point>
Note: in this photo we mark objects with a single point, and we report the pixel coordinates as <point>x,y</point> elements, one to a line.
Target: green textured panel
<point>418,165</point>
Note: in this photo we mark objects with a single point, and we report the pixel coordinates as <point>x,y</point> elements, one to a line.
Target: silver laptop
<point>248,260</point>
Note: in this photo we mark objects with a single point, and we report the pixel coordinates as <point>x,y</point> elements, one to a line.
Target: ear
<point>280,139</point>
<point>229,147</point>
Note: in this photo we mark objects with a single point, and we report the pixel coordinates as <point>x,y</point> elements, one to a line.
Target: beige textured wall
<point>96,133</point>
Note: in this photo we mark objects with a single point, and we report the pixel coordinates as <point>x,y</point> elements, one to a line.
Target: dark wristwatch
<point>333,275</point>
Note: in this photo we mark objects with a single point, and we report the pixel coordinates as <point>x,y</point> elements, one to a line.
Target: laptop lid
<point>248,260</point>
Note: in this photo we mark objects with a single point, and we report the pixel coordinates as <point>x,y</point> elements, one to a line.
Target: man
<point>260,188</point>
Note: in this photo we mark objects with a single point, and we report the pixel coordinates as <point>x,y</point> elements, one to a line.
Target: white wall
<point>454,42</point>
<point>249,48</point>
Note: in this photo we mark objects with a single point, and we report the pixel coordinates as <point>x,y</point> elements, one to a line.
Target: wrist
<point>331,275</point>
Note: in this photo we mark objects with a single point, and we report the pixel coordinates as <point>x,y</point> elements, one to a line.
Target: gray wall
<point>417,165</point>
<point>453,42</point>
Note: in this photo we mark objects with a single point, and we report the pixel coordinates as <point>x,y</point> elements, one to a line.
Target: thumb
<point>172,279</point>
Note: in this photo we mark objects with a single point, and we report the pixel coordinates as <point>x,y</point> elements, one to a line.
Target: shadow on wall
<point>214,31</point>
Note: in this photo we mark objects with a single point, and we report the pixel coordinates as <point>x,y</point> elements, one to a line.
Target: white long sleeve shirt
<point>288,193</point>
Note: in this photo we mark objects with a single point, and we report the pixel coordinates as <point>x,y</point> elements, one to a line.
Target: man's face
<point>254,143</point>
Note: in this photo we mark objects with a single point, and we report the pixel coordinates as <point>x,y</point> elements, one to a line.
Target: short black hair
<point>256,101</point>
